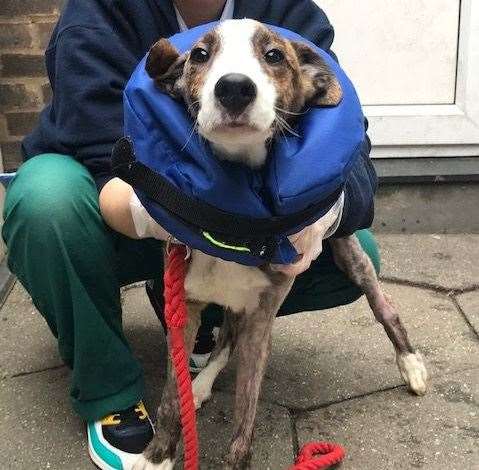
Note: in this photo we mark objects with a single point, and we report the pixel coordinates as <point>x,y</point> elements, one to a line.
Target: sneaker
<point>204,345</point>
<point>198,362</point>
<point>116,441</point>
<point>205,341</point>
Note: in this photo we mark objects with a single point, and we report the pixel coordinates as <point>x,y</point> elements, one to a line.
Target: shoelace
<point>130,415</point>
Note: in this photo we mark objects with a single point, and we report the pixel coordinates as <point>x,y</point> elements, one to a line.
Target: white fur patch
<point>203,382</point>
<point>413,371</point>
<point>236,55</point>
<point>144,464</point>
<point>225,283</point>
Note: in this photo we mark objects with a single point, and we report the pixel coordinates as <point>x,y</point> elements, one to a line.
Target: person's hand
<point>309,242</point>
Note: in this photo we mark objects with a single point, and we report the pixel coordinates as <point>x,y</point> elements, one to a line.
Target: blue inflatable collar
<point>299,183</point>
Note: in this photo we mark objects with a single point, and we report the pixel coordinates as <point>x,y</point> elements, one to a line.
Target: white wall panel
<point>398,51</point>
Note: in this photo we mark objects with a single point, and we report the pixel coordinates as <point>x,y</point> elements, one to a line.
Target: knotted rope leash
<point>176,318</point>
<point>318,455</point>
<point>313,456</point>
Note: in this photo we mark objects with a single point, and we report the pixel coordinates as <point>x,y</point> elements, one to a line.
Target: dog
<point>243,84</point>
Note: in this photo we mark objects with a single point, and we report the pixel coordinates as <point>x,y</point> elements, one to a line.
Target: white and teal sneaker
<point>198,362</point>
<point>204,345</point>
<point>116,441</point>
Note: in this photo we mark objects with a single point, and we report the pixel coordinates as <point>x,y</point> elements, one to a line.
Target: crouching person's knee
<point>47,201</point>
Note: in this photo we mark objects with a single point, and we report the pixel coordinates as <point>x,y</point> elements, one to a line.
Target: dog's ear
<point>165,65</point>
<point>321,86</point>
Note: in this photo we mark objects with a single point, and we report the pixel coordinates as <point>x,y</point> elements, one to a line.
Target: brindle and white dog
<point>242,83</point>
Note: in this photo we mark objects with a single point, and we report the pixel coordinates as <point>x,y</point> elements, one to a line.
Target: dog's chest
<point>225,283</point>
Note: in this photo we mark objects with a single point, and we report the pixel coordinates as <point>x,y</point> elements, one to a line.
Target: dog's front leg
<point>351,258</point>
<point>253,346</point>
<point>160,453</point>
<point>203,382</point>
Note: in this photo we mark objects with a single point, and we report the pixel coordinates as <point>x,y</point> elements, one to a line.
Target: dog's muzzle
<point>235,91</point>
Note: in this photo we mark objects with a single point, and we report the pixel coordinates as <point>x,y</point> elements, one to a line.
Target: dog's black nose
<point>235,91</point>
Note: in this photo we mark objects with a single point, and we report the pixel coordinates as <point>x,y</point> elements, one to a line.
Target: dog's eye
<point>198,54</point>
<point>274,56</point>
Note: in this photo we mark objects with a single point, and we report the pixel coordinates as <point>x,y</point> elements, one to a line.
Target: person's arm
<point>122,211</point>
<point>359,192</point>
<point>93,50</point>
<point>115,209</point>
<point>91,67</point>
<point>91,55</point>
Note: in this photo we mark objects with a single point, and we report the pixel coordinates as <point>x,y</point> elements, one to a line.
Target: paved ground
<point>332,375</point>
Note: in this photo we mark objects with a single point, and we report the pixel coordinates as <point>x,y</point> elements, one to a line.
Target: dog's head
<point>243,82</point>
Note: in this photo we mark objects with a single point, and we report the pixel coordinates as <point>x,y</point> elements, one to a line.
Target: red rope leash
<point>313,456</point>
<point>329,454</point>
<point>176,317</point>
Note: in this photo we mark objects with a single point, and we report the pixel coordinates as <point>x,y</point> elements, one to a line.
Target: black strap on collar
<point>201,214</point>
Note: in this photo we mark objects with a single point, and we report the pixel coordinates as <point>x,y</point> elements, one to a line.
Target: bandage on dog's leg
<point>162,449</point>
<point>351,258</point>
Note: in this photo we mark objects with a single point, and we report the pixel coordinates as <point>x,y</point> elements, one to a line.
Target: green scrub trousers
<point>73,266</point>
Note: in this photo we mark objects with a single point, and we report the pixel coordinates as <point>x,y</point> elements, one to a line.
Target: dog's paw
<point>143,464</point>
<point>413,372</point>
<point>201,390</point>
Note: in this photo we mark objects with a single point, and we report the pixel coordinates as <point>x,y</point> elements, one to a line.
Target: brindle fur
<point>175,74</point>
<point>163,445</point>
<point>303,79</point>
<point>253,347</point>
<point>250,334</point>
<point>249,331</point>
<point>350,258</point>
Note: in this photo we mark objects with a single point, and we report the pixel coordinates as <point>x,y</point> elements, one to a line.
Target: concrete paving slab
<point>272,445</point>
<point>323,357</point>
<point>395,430</point>
<point>25,339</point>
<point>469,304</point>
<point>39,430</point>
<point>446,261</point>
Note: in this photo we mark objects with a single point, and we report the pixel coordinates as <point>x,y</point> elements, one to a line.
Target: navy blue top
<point>97,44</point>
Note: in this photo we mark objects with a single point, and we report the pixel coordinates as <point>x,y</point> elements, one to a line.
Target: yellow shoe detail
<point>111,420</point>
<point>140,408</point>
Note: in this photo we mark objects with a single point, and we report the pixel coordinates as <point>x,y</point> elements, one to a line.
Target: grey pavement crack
<point>428,286</point>
<point>30,372</point>
<point>463,313</point>
<point>297,412</point>
<point>294,434</point>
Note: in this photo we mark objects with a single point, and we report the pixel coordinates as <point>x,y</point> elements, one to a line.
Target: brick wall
<point>25,28</point>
